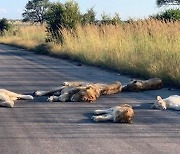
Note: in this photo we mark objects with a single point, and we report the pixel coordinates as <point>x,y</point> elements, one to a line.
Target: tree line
<point>38,11</point>
<point>58,16</point>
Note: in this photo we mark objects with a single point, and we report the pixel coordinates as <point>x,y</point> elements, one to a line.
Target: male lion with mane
<point>80,91</point>
<point>120,114</point>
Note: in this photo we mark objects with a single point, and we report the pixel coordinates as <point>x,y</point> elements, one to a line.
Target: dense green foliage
<point>55,21</point>
<point>61,16</point>
<point>106,19</point>
<point>170,15</point>
<point>35,11</point>
<point>89,17</point>
<point>4,26</point>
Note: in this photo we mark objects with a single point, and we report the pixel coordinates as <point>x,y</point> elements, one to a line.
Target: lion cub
<point>120,114</point>
<point>7,98</point>
<point>171,102</point>
<point>141,85</point>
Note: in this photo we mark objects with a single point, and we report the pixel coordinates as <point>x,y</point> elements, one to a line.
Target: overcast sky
<point>12,9</point>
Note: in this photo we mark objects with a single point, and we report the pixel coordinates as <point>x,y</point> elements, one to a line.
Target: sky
<point>12,9</point>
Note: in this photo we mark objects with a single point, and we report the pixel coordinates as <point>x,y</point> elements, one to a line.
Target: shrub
<point>169,15</point>
<point>89,17</point>
<point>4,26</point>
<point>61,16</point>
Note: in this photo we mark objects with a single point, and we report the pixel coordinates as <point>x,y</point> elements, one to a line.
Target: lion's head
<point>159,104</point>
<point>134,85</point>
<point>124,114</point>
<point>89,94</point>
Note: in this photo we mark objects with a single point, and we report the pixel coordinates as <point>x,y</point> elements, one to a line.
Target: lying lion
<point>7,98</point>
<point>120,114</point>
<point>171,102</point>
<point>141,85</point>
<point>80,91</point>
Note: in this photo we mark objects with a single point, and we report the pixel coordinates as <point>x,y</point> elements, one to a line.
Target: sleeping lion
<point>80,91</point>
<point>142,85</point>
<point>171,102</point>
<point>7,98</point>
<point>120,114</point>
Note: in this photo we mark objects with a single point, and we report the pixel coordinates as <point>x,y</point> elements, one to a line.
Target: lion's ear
<point>159,98</point>
<point>89,87</point>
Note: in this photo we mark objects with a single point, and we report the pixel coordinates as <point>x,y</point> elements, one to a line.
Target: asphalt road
<point>40,127</point>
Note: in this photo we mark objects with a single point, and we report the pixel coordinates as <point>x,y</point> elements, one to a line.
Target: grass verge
<point>142,49</point>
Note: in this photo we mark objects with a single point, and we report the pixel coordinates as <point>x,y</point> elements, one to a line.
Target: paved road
<point>40,127</point>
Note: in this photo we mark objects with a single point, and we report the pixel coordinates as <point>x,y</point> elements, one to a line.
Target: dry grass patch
<point>145,48</point>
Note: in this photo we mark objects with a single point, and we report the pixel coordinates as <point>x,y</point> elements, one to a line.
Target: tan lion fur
<point>142,85</point>
<point>7,97</point>
<point>81,91</point>
<point>120,114</point>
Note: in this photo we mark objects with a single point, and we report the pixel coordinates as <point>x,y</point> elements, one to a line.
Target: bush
<point>169,15</point>
<point>55,21</point>
<point>61,16</point>
<point>89,17</point>
<point>4,26</point>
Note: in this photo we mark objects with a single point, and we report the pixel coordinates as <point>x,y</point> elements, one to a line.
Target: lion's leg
<point>14,96</point>
<point>53,99</point>
<point>51,91</point>
<point>9,104</point>
<point>6,101</point>
<point>62,98</point>
<point>177,107</point>
<point>103,111</point>
<point>105,117</point>
<point>9,93</point>
<point>27,97</point>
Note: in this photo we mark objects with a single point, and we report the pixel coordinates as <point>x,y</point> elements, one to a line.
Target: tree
<point>61,16</point>
<point>116,19</point>
<point>4,26</point>
<point>88,17</point>
<point>72,14</point>
<point>106,19</point>
<point>169,15</point>
<point>167,2</point>
<point>35,11</point>
<point>55,21</point>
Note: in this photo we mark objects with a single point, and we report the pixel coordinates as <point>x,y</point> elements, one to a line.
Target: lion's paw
<point>50,99</point>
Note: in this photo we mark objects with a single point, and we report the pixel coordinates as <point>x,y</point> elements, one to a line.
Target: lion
<point>171,102</point>
<point>142,85</point>
<point>106,89</point>
<point>7,98</point>
<point>119,114</point>
<point>66,94</point>
<point>80,91</point>
<point>89,94</point>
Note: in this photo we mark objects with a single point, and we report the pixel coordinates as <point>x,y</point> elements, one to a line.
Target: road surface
<point>40,127</point>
